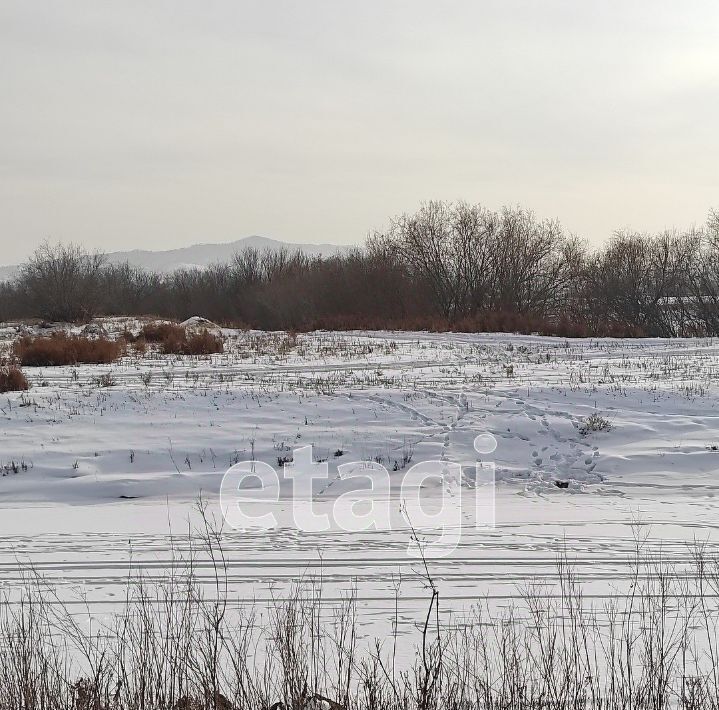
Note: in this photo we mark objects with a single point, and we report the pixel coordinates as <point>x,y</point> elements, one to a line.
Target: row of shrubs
<point>485,322</point>
<point>60,348</point>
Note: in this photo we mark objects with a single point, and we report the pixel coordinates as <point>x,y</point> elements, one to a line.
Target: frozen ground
<point>97,475</point>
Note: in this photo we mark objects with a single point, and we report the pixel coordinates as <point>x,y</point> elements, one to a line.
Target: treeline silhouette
<point>449,266</point>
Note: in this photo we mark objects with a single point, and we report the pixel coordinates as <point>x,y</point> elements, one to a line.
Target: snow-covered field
<point>597,441</point>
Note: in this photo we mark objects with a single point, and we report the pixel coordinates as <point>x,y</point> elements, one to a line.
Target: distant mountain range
<point>199,255</point>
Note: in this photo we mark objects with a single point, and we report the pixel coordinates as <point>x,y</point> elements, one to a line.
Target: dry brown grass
<point>12,379</point>
<point>178,643</point>
<point>175,339</point>
<point>140,346</point>
<point>161,332</point>
<point>62,349</point>
<point>204,343</point>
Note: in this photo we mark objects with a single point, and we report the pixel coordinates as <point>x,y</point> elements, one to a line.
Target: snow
<point>199,322</point>
<point>94,475</point>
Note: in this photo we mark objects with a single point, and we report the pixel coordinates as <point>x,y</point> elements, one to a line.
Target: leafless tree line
<point>449,265</point>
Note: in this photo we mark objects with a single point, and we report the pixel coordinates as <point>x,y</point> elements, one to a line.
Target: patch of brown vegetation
<point>63,349</point>
<point>175,339</point>
<point>12,379</point>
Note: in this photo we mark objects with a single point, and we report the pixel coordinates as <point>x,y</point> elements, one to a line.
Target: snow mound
<point>198,322</point>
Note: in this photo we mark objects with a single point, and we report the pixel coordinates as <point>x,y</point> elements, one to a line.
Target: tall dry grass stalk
<point>182,644</point>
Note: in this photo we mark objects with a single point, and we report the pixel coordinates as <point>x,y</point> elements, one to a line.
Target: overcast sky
<point>148,124</point>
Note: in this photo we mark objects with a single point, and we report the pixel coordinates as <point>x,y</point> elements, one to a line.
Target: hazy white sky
<point>158,124</point>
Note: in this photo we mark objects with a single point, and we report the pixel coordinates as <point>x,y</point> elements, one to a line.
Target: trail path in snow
<point>95,477</point>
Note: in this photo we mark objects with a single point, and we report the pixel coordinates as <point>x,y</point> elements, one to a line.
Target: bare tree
<point>246,267</point>
<point>474,259</point>
<point>703,281</point>
<point>426,243</point>
<point>713,224</point>
<point>640,280</point>
<point>63,282</point>
<point>531,263</point>
<point>128,289</point>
